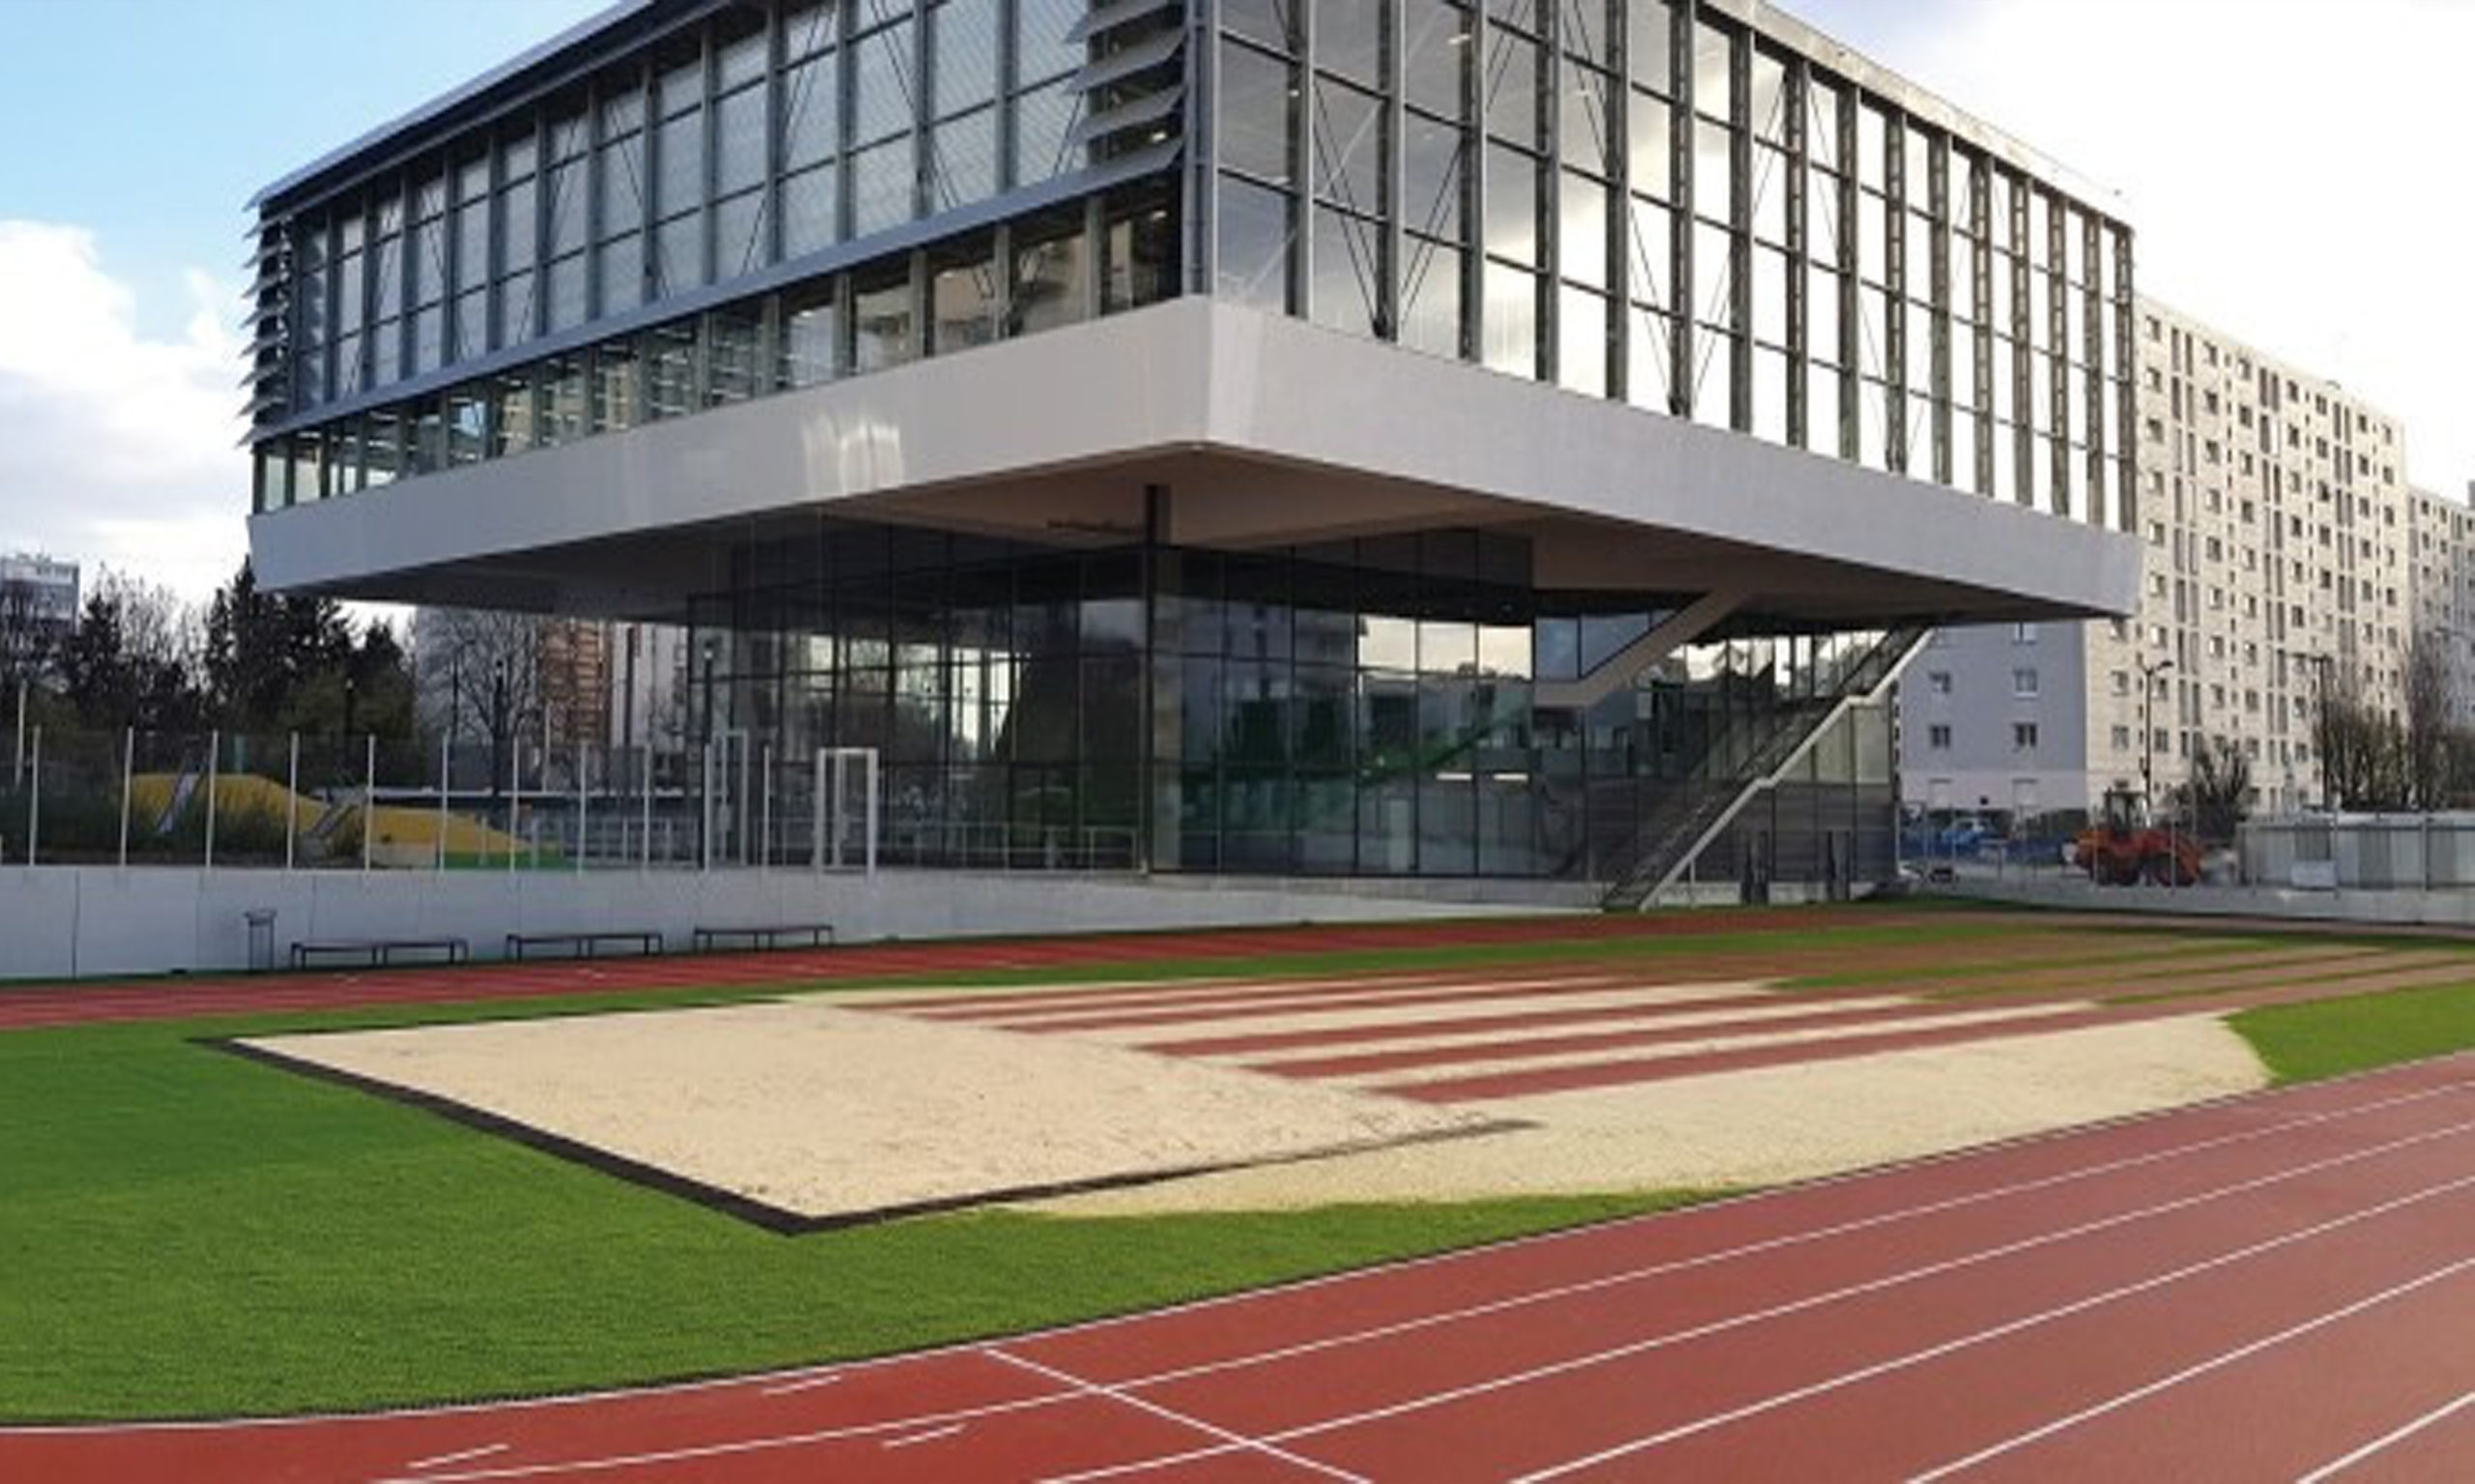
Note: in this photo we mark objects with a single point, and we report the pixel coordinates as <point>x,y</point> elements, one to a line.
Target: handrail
<point>1689,818</point>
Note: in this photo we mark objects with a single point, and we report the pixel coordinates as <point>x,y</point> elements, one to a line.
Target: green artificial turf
<point>2357,1033</point>
<point>187,1233</point>
<point>184,1232</point>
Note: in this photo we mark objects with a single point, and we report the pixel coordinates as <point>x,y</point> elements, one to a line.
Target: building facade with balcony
<point>1356,437</point>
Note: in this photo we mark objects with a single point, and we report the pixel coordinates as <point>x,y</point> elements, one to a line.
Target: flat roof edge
<point>609,19</point>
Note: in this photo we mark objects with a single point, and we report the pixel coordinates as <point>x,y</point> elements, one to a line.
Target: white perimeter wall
<point>79,921</point>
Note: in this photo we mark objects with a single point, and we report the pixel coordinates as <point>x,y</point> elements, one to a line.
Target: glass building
<point>1350,437</point>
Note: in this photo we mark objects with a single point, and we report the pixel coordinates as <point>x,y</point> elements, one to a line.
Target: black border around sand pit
<point>779,1220</point>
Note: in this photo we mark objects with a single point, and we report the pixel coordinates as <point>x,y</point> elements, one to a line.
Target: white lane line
<point>916,1439</point>
<point>1631,1275</point>
<point>2216,1362</point>
<point>1808,1303</point>
<point>1233,1442</point>
<point>1753,1201</point>
<point>805,1384</point>
<point>441,1459</point>
<point>762,1442</point>
<point>1989,1334</point>
<point>769,1442</point>
<point>2389,1439</point>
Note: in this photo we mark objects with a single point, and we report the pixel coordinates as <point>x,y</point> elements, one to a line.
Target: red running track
<point>2280,1285</point>
<point>33,1006</point>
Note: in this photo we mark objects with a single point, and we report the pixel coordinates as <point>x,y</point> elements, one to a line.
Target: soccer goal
<point>848,794</point>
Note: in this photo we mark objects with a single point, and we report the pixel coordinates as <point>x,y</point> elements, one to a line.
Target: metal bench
<point>586,945</point>
<point>376,951</point>
<point>818,934</point>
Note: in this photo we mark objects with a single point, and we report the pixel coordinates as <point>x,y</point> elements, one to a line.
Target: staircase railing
<point>1688,818</point>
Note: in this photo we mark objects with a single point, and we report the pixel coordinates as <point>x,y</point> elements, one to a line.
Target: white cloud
<point>115,447</point>
<point>2290,167</point>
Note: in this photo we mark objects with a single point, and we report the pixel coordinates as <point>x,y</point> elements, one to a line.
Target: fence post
<point>514,796</point>
<point>580,806</point>
<point>291,799</point>
<point>872,811</point>
<point>645,793</point>
<point>34,801</point>
<point>705,811</point>
<point>445,746</point>
<point>368,796</point>
<point>765,810</point>
<point>214,779</point>
<point>127,768</point>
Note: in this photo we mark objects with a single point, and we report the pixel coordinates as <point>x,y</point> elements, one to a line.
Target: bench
<point>585,944</point>
<point>818,934</point>
<point>376,951</point>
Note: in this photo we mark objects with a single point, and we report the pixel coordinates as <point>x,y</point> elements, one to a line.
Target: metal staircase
<point>1688,817</point>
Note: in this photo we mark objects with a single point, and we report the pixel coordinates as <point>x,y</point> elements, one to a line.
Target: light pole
<point>2149,670</point>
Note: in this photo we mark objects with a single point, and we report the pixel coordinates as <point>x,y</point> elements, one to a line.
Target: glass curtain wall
<point>1660,206</point>
<point>1047,269</point>
<point>1360,708</point>
<point>755,138</point>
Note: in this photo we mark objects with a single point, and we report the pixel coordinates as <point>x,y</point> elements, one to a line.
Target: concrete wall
<point>79,921</point>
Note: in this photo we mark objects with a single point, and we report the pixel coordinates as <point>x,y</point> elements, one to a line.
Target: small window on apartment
<point>1939,738</point>
<point>2023,633</point>
<point>1938,682</point>
<point>2024,683</point>
<point>2122,738</point>
<point>2023,736</point>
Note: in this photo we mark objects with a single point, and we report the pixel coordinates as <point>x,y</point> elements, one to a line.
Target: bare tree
<point>2220,791</point>
<point>2427,740</point>
<point>157,629</point>
<point>478,672</point>
<point>2364,751</point>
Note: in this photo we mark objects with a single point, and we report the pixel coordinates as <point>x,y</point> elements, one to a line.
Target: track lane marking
<point>1713,1259</point>
<point>2389,1439</point>
<point>805,1384</point>
<point>1753,1201</point>
<point>467,1455</point>
<point>1237,1442</point>
<point>1975,1338</point>
<point>762,1442</point>
<point>914,1440</point>
<point>1748,1318</point>
<point>2194,1372</point>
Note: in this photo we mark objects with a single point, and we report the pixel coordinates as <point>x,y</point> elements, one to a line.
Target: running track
<point>2280,1285</point>
<point>33,1006</point>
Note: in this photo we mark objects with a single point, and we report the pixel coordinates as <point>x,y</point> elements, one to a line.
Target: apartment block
<point>2281,549</point>
<point>2443,582</point>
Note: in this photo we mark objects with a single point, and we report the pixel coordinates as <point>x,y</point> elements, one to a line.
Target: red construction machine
<point>2126,849</point>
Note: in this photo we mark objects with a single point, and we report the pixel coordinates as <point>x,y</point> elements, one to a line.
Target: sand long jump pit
<point>800,1115</point>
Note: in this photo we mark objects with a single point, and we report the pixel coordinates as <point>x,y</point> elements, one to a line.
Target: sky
<point>2289,167</point>
<point>131,134</point>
